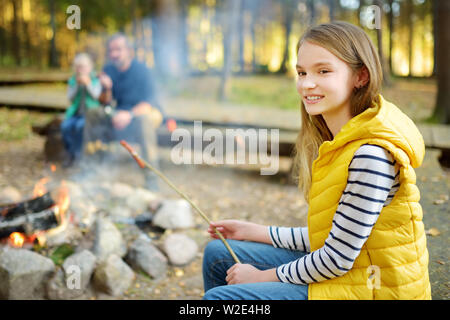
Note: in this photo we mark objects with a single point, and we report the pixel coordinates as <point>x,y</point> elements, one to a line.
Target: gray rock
<point>108,239</point>
<point>85,261</point>
<point>174,214</point>
<point>73,278</point>
<point>113,276</point>
<point>144,256</point>
<point>23,274</point>
<point>84,212</point>
<point>121,190</point>
<point>58,289</point>
<point>180,249</point>
<point>139,200</point>
<point>68,235</point>
<point>120,212</point>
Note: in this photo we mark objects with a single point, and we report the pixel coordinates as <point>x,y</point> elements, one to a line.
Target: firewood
<point>12,211</point>
<point>30,223</point>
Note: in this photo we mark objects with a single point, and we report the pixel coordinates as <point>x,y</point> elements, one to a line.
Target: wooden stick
<point>143,164</point>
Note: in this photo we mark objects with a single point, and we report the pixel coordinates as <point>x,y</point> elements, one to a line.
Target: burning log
<point>12,211</point>
<point>30,223</point>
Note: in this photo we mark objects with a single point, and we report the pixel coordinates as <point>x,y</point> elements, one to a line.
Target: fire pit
<point>102,232</point>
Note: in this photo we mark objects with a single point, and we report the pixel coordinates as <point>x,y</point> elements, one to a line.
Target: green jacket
<point>90,101</point>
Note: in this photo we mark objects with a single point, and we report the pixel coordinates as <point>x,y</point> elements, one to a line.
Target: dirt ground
<point>221,193</point>
<point>226,193</point>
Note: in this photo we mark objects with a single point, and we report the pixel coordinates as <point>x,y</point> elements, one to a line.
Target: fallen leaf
<point>179,273</point>
<point>438,201</point>
<point>440,262</point>
<point>433,232</point>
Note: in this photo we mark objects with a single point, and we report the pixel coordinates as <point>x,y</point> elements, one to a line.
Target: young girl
<point>355,157</point>
<point>84,89</point>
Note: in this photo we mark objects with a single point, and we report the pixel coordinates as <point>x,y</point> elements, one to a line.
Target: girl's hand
<point>246,273</point>
<point>84,79</point>
<point>240,230</point>
<point>230,229</point>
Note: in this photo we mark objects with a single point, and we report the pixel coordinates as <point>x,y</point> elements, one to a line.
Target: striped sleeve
<point>372,182</point>
<point>289,238</point>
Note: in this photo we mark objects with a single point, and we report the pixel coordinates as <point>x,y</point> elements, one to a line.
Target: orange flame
<point>17,239</point>
<point>52,167</point>
<point>40,236</point>
<point>40,189</point>
<point>62,201</point>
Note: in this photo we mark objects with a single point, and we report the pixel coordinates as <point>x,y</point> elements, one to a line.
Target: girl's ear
<point>362,77</point>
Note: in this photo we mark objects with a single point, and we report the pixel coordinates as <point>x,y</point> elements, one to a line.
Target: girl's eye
<point>300,73</point>
<point>324,71</point>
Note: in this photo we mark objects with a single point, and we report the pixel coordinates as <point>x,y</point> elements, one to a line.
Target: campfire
<point>29,222</point>
<point>109,230</point>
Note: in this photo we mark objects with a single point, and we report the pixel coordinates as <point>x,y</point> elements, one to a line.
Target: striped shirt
<point>373,179</point>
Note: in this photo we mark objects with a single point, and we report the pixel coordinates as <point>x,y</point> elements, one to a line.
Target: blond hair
<point>353,46</point>
<point>81,58</point>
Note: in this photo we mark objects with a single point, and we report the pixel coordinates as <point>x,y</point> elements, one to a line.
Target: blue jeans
<point>72,133</point>
<point>217,260</point>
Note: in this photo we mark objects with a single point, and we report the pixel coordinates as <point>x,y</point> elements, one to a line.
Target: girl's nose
<point>306,84</point>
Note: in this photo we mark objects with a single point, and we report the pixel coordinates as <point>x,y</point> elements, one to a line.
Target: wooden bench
<point>436,136</point>
<point>7,78</point>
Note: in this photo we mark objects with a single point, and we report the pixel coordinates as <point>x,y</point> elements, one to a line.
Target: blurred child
<point>83,91</point>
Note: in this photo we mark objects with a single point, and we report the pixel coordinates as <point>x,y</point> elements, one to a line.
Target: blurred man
<point>137,113</point>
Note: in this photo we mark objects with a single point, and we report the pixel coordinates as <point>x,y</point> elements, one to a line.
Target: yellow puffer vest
<point>395,256</point>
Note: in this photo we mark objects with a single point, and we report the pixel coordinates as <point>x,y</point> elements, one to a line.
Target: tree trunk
<point>410,12</point>
<point>28,46</point>
<point>332,9</point>
<point>435,35</point>
<point>184,45</point>
<point>384,65</point>
<point>241,37</point>
<point>229,32</point>
<point>3,39</point>
<point>391,31</point>
<point>165,40</point>
<point>53,55</point>
<point>15,38</point>
<point>358,11</point>
<point>442,108</point>
<point>288,9</point>
<point>422,12</point>
<point>312,12</point>
<point>253,36</point>
<point>133,14</point>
